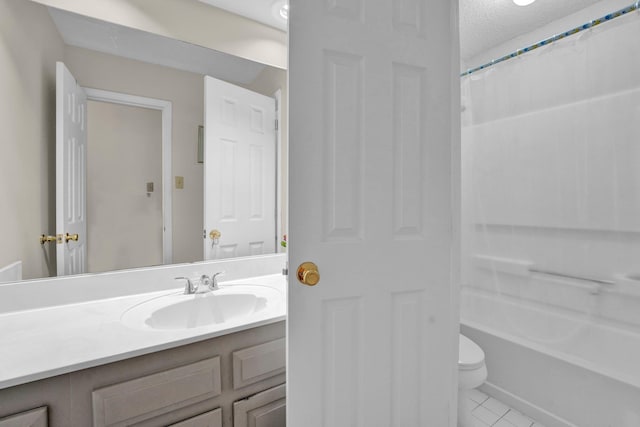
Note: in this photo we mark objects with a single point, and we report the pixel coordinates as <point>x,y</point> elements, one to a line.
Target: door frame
<point>166,108</point>
<point>280,230</point>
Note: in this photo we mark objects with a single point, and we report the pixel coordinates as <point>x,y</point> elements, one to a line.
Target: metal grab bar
<point>569,276</point>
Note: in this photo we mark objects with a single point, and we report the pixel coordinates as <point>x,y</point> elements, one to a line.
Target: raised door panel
<point>34,418</point>
<point>208,419</point>
<point>265,409</point>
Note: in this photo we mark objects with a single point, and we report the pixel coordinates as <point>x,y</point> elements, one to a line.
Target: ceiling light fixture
<point>523,2</point>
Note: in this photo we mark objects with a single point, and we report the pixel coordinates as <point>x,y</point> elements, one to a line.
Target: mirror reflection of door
<point>240,171</point>
<point>71,173</point>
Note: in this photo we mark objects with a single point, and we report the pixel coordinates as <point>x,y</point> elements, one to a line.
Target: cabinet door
<point>265,409</point>
<point>34,418</point>
<point>208,419</point>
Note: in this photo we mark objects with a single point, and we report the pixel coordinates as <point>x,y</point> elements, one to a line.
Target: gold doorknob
<point>308,274</point>
<point>44,239</point>
<point>215,234</point>
<point>73,237</point>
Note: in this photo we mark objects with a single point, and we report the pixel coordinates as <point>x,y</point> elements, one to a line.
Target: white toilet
<point>472,372</point>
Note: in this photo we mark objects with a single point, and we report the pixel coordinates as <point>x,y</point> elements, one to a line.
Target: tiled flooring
<point>488,411</point>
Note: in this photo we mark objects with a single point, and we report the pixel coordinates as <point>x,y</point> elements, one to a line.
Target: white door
<point>71,173</point>
<point>373,153</point>
<point>239,171</point>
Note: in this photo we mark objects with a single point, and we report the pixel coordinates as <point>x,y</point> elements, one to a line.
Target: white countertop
<point>49,341</point>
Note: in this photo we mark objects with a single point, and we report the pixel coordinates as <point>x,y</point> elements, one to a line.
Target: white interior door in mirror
<point>71,173</point>
<point>239,171</point>
<point>372,88</point>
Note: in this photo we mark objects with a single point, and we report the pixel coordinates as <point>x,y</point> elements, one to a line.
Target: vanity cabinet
<point>204,384</point>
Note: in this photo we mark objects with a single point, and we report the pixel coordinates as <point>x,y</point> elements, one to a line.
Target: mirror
<point>144,198</point>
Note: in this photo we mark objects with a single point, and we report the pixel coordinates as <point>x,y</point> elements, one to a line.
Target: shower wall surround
<point>551,218</point>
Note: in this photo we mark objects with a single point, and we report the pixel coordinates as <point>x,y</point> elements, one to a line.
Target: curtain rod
<point>594,23</point>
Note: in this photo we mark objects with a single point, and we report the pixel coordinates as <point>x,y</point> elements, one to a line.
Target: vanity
<point>130,348</point>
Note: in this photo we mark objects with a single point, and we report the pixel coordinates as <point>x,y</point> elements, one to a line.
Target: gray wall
<point>124,223</point>
<point>29,48</point>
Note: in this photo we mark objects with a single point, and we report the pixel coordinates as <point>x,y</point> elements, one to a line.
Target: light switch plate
<point>179,182</point>
<point>149,187</point>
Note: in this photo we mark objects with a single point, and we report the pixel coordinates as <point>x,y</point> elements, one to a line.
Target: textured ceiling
<point>483,23</point>
<point>488,23</point>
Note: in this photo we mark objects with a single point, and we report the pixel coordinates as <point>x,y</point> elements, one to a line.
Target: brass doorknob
<point>308,274</point>
<point>214,234</point>
<point>73,237</point>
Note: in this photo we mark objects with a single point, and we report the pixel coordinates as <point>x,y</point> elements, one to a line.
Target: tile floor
<point>488,411</point>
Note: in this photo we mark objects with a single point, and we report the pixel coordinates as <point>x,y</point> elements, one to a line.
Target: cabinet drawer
<point>156,394</point>
<point>34,418</point>
<point>257,363</point>
<point>208,419</point>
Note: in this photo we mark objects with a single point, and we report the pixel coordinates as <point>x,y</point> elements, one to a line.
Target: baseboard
<point>540,415</point>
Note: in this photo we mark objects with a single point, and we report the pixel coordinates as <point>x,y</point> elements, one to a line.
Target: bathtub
<point>562,368</point>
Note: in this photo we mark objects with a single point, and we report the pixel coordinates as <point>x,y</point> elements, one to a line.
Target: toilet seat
<point>470,355</point>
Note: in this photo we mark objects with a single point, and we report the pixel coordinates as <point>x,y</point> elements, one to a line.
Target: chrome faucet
<point>189,286</point>
<point>211,282</point>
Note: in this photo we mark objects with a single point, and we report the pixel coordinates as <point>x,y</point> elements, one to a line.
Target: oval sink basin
<point>229,304</point>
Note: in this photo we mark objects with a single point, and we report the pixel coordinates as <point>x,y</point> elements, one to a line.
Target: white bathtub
<point>563,368</point>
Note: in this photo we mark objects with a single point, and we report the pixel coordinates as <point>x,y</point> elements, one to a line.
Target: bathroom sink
<point>228,305</point>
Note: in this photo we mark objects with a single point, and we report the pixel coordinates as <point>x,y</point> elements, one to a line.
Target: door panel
<point>71,173</point>
<point>240,171</point>
<point>372,94</point>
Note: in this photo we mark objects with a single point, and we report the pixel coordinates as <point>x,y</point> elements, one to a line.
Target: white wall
<point>124,222</point>
<point>29,47</point>
<point>190,21</point>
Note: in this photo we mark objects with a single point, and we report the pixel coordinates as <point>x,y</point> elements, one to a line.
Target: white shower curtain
<point>551,188</point>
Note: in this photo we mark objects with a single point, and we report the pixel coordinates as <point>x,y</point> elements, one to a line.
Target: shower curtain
<point>551,197</point>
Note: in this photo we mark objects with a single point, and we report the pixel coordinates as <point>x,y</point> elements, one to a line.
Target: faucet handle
<point>214,279</point>
<point>189,287</point>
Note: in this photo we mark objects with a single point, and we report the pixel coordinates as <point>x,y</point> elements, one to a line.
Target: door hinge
<point>276,124</point>
<point>204,234</point>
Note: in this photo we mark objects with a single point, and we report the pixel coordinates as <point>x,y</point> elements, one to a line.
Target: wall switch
<point>179,182</point>
<point>149,187</point>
